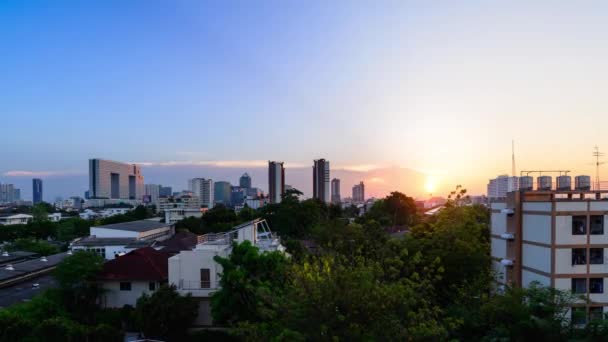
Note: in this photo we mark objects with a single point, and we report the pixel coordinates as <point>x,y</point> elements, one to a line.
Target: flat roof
<point>93,240</point>
<point>15,256</point>
<point>136,226</point>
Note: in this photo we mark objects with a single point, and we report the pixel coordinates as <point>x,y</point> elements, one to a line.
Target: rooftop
<point>16,256</point>
<point>95,241</point>
<point>141,264</point>
<point>31,266</point>
<point>181,241</point>
<point>136,226</point>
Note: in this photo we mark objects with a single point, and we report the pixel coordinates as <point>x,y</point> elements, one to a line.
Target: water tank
<point>544,183</point>
<point>526,183</point>
<point>564,183</point>
<point>582,183</point>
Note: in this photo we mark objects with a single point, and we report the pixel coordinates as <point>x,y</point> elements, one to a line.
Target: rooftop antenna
<point>597,154</point>
<point>513,158</point>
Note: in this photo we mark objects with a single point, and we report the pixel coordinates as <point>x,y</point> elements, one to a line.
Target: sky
<point>432,91</point>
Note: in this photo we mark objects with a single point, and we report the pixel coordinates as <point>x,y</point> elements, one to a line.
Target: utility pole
<point>597,154</point>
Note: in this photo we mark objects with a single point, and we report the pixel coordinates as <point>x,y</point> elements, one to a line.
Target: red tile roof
<point>140,264</point>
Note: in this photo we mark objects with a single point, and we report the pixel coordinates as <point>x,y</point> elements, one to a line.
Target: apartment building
<point>555,236</point>
<point>203,189</point>
<point>115,180</point>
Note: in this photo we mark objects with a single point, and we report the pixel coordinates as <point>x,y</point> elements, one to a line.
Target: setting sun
<point>430,184</point>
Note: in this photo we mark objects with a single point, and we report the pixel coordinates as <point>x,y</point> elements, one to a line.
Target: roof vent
<point>9,267</point>
<point>44,259</point>
<point>5,254</point>
<point>70,252</point>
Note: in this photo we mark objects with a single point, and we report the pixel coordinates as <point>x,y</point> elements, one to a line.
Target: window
<point>579,315</point>
<point>596,285</point>
<point>596,313</point>
<point>596,256</point>
<point>579,256</point>
<point>205,278</point>
<point>152,286</point>
<point>579,225</point>
<point>579,285</point>
<point>597,225</point>
<point>125,286</point>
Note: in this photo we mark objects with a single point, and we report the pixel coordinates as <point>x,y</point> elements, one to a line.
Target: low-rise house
<point>15,219</point>
<point>173,215</point>
<point>54,217</point>
<point>195,271</point>
<point>128,277</point>
<point>113,240</point>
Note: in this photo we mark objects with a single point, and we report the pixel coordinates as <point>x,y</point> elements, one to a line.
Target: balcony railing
<point>195,285</point>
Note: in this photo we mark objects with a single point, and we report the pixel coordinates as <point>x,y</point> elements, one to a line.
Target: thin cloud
<point>216,163</point>
<point>360,168</point>
<point>25,173</point>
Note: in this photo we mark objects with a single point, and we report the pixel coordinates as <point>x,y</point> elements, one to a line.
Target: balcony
<point>196,287</point>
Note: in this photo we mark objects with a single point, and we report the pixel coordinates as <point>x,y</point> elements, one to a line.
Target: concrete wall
<point>563,263</point>
<point>537,206</point>
<point>603,238</point>
<point>571,206</point>
<point>536,257</point>
<point>499,248</point>
<point>185,267</point>
<point>499,223</point>
<point>563,231</point>
<point>104,232</point>
<point>528,277</point>
<point>598,206</point>
<point>115,298</point>
<point>537,228</point>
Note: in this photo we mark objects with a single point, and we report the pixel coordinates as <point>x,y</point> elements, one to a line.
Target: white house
<point>128,277</point>
<point>15,219</point>
<point>196,272</point>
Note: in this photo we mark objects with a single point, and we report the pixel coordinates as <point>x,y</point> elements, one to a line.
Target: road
<point>25,291</point>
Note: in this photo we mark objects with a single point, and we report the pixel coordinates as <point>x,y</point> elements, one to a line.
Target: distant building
<point>37,190</point>
<point>9,194</point>
<point>359,193</point>
<point>153,190</point>
<point>320,180</point>
<point>254,193</point>
<point>335,190</point>
<point>165,191</point>
<point>128,277</point>
<point>237,196</point>
<point>222,192</point>
<point>114,180</point>
<point>203,189</point>
<point>501,185</point>
<point>245,181</point>
<point>184,202</point>
<point>276,181</point>
<point>15,219</point>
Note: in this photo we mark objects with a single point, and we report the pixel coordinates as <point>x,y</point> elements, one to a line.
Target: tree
<point>40,212</point>
<point>165,314</point>
<point>397,209</point>
<point>35,246</point>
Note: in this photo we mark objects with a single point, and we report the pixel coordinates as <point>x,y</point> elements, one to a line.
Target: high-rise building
<point>237,196</point>
<point>359,193</point>
<point>7,193</point>
<point>165,191</point>
<point>114,180</point>
<point>222,192</point>
<point>153,191</point>
<point>36,190</point>
<point>203,189</point>
<point>276,181</point>
<point>320,180</point>
<point>245,181</point>
<point>17,195</point>
<point>501,185</point>
<point>335,191</point>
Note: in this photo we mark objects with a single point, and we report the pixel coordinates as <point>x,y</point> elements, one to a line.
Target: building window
<point>205,278</point>
<point>579,285</point>
<point>125,286</point>
<point>596,285</point>
<point>596,256</point>
<point>152,286</point>
<point>579,315</point>
<point>597,225</point>
<point>579,256</point>
<point>579,225</point>
<point>596,313</point>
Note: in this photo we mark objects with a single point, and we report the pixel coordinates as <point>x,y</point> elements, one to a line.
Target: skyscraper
<point>245,181</point>
<point>359,192</point>
<point>110,179</point>
<point>165,191</point>
<point>335,191</point>
<point>203,189</point>
<point>153,190</point>
<point>7,193</point>
<point>222,192</point>
<point>276,181</point>
<point>320,180</point>
<point>36,190</point>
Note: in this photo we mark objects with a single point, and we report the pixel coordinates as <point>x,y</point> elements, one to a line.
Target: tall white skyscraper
<point>203,189</point>
<point>276,181</point>
<point>110,179</point>
<point>320,180</point>
<point>499,186</point>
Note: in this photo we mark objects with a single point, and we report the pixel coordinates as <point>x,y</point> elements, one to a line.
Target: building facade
<point>359,193</point>
<point>501,185</point>
<point>276,181</point>
<point>37,190</point>
<point>9,194</point>
<point>203,189</point>
<point>557,238</point>
<point>222,193</point>
<point>114,180</point>
<point>335,191</point>
<point>320,180</point>
<point>245,181</point>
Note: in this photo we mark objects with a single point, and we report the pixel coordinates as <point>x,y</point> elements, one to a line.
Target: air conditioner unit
<point>508,211</point>
<point>506,262</point>
<point>507,236</point>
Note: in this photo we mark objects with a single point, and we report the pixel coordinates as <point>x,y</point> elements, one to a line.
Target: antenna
<point>597,154</point>
<point>513,158</point>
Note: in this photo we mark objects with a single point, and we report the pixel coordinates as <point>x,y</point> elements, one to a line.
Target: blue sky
<point>428,85</point>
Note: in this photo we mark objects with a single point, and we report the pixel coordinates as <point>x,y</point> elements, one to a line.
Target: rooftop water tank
<point>564,183</point>
<point>582,183</point>
<point>526,183</point>
<point>544,183</point>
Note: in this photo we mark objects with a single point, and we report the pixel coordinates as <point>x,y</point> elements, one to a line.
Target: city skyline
<point>368,83</point>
